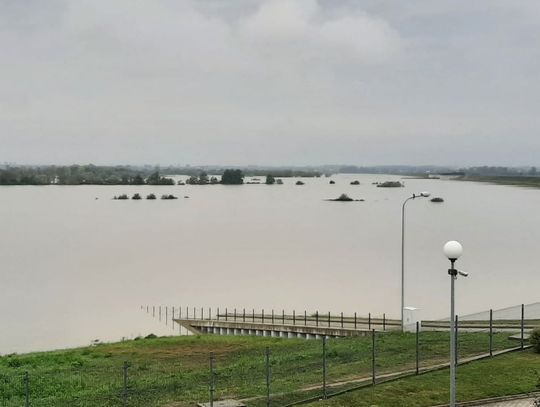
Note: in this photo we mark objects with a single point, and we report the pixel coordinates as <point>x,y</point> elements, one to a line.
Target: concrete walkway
<point>520,400</point>
<point>513,403</point>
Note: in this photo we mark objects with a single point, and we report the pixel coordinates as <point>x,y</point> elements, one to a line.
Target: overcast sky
<point>270,82</point>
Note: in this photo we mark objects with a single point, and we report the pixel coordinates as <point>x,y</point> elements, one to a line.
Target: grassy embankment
<point>508,374</point>
<point>531,182</point>
<point>174,370</point>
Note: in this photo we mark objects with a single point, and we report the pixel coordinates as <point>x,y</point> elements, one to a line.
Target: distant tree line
<point>80,175</point>
<point>132,175</point>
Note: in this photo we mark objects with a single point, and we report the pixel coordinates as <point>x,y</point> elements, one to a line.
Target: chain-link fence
<point>259,371</point>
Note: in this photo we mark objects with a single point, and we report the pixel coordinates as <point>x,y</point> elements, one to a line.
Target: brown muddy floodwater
<point>75,268</point>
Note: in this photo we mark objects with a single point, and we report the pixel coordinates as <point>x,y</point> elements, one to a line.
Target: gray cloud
<point>269,82</point>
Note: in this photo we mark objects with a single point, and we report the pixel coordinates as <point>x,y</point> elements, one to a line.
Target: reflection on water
<point>76,268</point>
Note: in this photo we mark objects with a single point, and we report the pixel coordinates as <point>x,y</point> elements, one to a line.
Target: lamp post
<point>414,196</point>
<point>453,250</point>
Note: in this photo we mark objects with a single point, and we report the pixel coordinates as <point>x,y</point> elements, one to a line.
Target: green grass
<point>509,374</point>
<point>175,369</point>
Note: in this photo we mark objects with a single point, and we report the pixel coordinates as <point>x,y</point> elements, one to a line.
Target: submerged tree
<point>232,177</point>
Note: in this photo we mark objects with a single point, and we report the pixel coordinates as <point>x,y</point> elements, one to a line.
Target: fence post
<point>226,314</point>
<point>209,313</point>
<point>267,363</point>
<point>243,315</point>
<point>373,357</point>
<point>172,318</point>
<point>212,380</point>
<point>305,318</point>
<point>272,317</point>
<point>369,320</point>
<point>282,317</point>
<point>324,366</point>
<point>316,318</point>
<point>456,342</point>
<point>218,313</point>
<point>490,332</point>
<point>26,390</point>
<point>160,313</point>
<point>153,311</point>
<point>194,313</point>
<point>355,320</point>
<point>294,317</point>
<point>235,315</point>
<point>263,316</point>
<point>187,312</point>
<point>328,318</point>
<point>522,323</point>
<point>125,393</point>
<point>342,319</point>
<point>384,322</point>
<point>417,347</point>
<point>202,313</point>
<point>253,315</point>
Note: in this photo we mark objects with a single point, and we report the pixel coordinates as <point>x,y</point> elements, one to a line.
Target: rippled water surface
<point>77,265</point>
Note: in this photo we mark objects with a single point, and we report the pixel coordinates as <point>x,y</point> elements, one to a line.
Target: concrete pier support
<point>277,330</point>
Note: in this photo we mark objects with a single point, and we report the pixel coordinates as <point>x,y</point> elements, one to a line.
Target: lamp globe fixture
<point>453,250</point>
